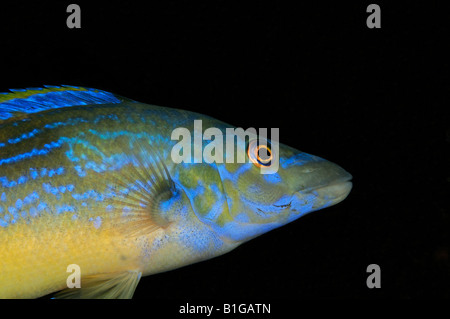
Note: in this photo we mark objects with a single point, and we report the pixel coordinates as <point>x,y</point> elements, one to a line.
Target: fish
<point>92,200</point>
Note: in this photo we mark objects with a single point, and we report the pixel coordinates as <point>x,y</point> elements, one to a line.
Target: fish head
<point>258,184</point>
<point>276,187</point>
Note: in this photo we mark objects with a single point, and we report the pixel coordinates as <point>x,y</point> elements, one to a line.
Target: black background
<point>371,100</point>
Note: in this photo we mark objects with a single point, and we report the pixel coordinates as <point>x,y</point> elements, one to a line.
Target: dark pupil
<point>264,153</point>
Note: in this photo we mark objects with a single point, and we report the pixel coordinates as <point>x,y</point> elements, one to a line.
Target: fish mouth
<point>325,193</point>
<point>335,192</point>
<point>329,182</point>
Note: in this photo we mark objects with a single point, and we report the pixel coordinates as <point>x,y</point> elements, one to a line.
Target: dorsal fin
<point>33,100</point>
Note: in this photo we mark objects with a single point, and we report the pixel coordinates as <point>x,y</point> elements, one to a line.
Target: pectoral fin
<point>104,286</point>
<point>140,186</point>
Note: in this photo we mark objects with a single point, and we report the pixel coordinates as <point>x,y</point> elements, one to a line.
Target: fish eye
<point>260,155</point>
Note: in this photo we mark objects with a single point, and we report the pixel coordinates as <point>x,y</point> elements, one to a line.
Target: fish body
<point>87,178</point>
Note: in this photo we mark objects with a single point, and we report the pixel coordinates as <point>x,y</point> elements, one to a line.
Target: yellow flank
<point>34,258</point>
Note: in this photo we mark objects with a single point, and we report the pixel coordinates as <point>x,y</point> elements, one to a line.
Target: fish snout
<point>323,184</point>
<point>333,193</point>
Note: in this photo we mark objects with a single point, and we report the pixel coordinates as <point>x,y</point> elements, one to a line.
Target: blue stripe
<point>35,152</point>
<point>71,122</point>
<point>53,100</point>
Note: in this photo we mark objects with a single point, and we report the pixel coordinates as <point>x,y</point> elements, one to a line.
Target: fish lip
<point>335,192</point>
<point>305,202</point>
<point>343,180</point>
<point>336,182</point>
<point>331,193</point>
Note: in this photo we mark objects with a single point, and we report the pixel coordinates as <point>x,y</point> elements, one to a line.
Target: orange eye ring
<point>253,153</point>
<point>266,160</point>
